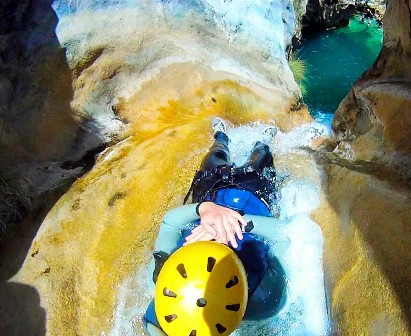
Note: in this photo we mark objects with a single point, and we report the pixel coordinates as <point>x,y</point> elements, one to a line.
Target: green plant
<point>299,70</point>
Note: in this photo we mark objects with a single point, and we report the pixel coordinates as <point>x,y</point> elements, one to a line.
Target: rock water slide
<point>151,75</point>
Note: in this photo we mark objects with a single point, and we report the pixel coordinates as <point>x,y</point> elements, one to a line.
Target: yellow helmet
<point>201,291</point>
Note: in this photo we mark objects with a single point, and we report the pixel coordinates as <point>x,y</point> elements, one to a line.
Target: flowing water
<point>335,60</point>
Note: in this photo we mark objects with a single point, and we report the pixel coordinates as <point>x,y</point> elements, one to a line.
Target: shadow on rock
<point>44,145</point>
<point>385,225</point>
<point>382,217</point>
<point>20,311</point>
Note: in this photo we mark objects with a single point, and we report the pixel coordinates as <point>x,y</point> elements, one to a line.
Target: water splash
<point>132,302</point>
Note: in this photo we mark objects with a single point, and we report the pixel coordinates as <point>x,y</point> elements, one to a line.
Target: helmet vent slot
<point>220,328</point>
<point>233,307</point>
<point>201,302</point>
<point>169,293</point>
<point>170,318</point>
<point>234,281</point>
<point>210,264</point>
<point>182,270</point>
<point>193,333</point>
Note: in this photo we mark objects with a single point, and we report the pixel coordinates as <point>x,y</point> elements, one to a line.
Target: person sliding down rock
<point>230,205</point>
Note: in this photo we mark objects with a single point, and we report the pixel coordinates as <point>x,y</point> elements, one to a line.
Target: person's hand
<point>219,223</point>
<point>199,234</point>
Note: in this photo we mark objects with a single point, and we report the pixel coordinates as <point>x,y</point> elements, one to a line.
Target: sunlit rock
<point>369,191</point>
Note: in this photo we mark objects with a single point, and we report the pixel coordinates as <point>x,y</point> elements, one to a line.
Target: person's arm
<point>219,223</point>
<point>266,227</point>
<point>173,223</point>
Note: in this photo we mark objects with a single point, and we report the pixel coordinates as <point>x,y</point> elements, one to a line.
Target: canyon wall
<point>149,77</point>
<point>59,94</point>
<point>318,15</point>
<point>39,129</point>
<point>155,83</point>
<point>369,191</point>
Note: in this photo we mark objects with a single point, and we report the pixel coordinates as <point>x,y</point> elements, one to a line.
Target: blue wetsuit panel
<point>241,200</point>
<point>150,316</point>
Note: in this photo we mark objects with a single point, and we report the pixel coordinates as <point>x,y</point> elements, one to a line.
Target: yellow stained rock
<point>104,227</point>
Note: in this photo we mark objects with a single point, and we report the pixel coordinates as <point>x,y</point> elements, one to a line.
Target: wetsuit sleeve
<point>169,235</point>
<point>266,227</point>
<point>173,222</point>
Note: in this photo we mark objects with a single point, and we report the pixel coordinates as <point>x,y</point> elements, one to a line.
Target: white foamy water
<point>298,246</point>
<point>297,243</point>
<point>133,299</point>
<point>244,137</point>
